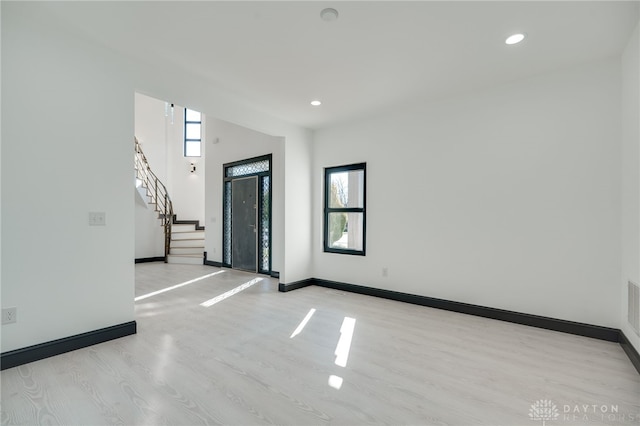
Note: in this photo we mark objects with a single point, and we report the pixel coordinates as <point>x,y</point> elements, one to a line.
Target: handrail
<point>157,192</point>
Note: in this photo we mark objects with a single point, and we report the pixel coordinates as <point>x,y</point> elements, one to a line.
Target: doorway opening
<point>247,214</point>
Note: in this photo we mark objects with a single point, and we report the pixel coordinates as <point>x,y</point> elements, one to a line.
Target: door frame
<point>262,171</point>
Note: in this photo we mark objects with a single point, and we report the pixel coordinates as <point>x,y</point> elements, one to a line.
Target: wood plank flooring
<point>235,363</point>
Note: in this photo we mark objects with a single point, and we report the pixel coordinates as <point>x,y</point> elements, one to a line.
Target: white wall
<point>149,232</point>
<point>185,188</point>
<point>298,210</point>
<point>151,129</point>
<point>507,198</point>
<point>630,175</point>
<point>1,181</point>
<point>67,130</point>
<point>235,143</point>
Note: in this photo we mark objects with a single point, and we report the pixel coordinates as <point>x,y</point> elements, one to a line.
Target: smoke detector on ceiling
<point>329,14</point>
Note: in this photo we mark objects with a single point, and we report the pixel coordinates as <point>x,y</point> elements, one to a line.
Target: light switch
<point>97,219</point>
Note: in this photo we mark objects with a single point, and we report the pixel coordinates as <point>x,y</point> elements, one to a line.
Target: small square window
<point>191,115</point>
<point>192,149</point>
<point>192,131</point>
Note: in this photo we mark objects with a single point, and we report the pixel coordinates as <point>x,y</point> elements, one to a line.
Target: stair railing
<point>158,194</point>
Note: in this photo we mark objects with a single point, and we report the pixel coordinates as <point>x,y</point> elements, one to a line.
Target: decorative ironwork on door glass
<point>227,223</point>
<point>247,169</point>
<point>264,217</point>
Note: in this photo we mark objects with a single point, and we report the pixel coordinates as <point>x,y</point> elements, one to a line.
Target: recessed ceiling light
<point>329,14</point>
<point>514,39</point>
<point>316,103</point>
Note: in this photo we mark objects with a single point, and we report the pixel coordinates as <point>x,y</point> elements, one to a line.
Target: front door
<point>244,221</point>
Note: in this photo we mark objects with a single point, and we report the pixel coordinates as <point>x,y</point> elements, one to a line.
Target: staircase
<point>183,239</point>
<point>156,193</point>
<point>187,242</point>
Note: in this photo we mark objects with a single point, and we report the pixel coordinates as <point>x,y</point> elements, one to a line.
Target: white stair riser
<point>196,235</point>
<point>188,243</point>
<point>182,228</point>
<point>187,250</point>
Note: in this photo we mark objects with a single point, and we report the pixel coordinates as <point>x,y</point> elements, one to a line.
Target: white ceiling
<point>278,56</point>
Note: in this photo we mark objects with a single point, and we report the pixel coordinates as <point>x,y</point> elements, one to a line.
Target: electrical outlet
<point>9,315</point>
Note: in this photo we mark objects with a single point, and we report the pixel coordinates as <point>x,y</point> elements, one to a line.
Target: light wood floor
<point>235,363</point>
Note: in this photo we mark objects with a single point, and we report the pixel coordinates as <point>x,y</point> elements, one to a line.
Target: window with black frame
<point>192,133</point>
<point>345,209</point>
